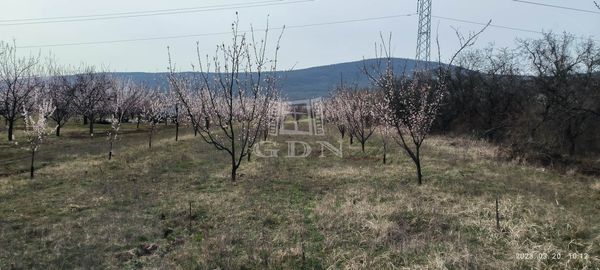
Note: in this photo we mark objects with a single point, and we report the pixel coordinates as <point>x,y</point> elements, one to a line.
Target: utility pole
<point>424,32</point>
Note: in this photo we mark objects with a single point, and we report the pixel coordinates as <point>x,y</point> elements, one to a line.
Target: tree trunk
<point>11,124</point>
<point>249,154</point>
<point>176,122</point>
<point>233,171</point>
<point>362,146</point>
<point>91,127</point>
<point>571,138</point>
<point>571,148</point>
<point>85,120</point>
<point>150,138</point>
<point>139,119</point>
<point>58,131</point>
<point>384,153</point>
<point>110,150</point>
<point>419,174</point>
<point>195,131</point>
<point>497,213</point>
<point>351,139</point>
<point>31,169</point>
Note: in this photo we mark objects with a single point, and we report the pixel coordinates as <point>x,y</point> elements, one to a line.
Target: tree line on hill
<point>540,101</point>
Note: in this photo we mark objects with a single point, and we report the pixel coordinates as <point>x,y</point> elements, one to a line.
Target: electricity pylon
<point>424,33</point>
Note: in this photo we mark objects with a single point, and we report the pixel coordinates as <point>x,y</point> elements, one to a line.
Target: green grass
<point>83,211</point>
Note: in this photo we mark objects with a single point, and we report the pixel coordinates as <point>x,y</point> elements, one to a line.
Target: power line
<point>214,33</point>
<point>498,26</point>
<point>555,6</point>
<point>491,25</point>
<point>121,40</point>
<point>278,28</point>
<point>136,14</point>
<point>348,21</point>
<point>130,12</point>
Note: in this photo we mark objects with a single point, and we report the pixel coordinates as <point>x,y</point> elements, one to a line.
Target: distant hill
<point>302,83</point>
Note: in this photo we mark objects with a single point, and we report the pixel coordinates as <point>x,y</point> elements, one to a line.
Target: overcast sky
<point>300,47</point>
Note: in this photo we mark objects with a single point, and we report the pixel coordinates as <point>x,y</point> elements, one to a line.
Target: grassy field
<point>173,207</point>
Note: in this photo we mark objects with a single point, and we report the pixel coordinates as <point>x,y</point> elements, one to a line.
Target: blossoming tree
<point>36,125</point>
<point>357,112</point>
<point>154,110</point>
<point>413,102</point>
<point>232,92</point>
<point>61,89</point>
<point>123,97</point>
<point>19,79</point>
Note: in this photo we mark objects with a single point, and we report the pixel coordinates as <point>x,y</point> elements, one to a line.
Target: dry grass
<point>172,207</point>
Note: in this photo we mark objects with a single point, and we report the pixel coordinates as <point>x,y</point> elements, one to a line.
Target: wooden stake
<point>497,214</point>
<point>190,215</point>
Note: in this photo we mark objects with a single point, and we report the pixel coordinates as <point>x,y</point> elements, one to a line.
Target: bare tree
<point>563,72</point>
<point>235,98</point>
<point>19,78</point>
<point>484,94</point>
<point>123,97</point>
<point>90,94</point>
<point>36,127</point>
